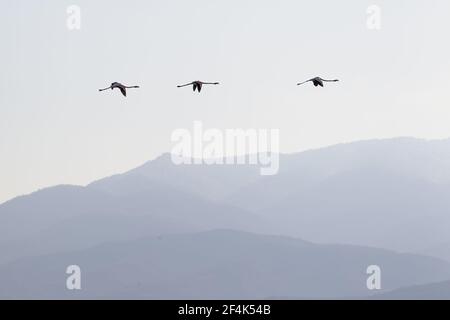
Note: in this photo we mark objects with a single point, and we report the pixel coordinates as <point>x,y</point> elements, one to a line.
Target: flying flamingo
<point>197,85</point>
<point>317,81</point>
<point>120,86</point>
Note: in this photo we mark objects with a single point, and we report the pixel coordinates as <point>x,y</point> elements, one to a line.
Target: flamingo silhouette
<point>197,85</point>
<point>317,81</point>
<point>119,86</point>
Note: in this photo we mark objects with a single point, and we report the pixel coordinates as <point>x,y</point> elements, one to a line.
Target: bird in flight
<point>119,86</point>
<point>197,85</point>
<point>318,81</point>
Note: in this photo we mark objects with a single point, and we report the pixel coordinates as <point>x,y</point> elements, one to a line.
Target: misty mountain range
<point>221,231</point>
<point>218,264</point>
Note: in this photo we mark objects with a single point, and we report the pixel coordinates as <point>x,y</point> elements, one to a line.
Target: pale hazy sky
<point>55,127</point>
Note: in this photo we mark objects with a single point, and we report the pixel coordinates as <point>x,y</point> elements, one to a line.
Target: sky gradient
<point>55,127</point>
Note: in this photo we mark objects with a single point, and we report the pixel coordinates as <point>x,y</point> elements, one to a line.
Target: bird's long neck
<point>185,85</point>
<point>131,87</point>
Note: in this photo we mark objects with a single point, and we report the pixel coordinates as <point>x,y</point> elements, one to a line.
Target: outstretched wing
<point>124,91</point>
<point>318,82</point>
